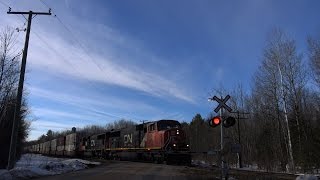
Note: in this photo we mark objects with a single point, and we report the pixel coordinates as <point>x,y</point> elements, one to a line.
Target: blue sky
<point>145,60</point>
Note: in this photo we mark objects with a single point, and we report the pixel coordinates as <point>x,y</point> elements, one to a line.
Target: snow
<point>307,177</point>
<point>254,167</point>
<point>201,163</point>
<point>5,175</point>
<point>35,165</point>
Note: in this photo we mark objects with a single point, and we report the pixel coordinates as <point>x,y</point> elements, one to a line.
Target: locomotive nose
<point>176,139</point>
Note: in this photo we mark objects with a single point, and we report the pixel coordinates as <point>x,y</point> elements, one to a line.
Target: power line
<point>74,68</point>
<point>76,39</point>
<point>8,6</point>
<point>53,50</point>
<point>68,62</point>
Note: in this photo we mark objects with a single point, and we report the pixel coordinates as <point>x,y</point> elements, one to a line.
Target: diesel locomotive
<point>157,141</point>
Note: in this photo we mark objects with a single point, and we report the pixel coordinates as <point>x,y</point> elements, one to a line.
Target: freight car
<point>157,141</point>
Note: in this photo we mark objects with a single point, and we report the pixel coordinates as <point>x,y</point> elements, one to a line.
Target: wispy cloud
<point>112,64</point>
<point>109,69</point>
<point>40,127</point>
<point>98,105</point>
<point>46,124</point>
<point>46,112</point>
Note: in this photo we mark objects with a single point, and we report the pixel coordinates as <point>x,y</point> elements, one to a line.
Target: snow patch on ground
<point>5,175</point>
<point>307,177</point>
<point>35,165</point>
<point>201,163</point>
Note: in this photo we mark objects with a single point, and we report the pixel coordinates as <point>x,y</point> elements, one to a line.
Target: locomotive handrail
<point>168,142</point>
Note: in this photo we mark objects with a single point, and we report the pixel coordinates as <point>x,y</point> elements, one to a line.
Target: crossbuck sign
<point>222,103</point>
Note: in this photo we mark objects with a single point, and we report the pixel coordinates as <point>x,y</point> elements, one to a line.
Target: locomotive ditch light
<point>174,145</point>
<point>230,121</point>
<point>215,121</point>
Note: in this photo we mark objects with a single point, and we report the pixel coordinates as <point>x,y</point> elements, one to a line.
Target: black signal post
<point>239,136</point>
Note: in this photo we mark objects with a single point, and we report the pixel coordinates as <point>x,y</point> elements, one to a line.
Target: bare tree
<point>280,81</point>
<point>9,68</point>
<point>314,56</point>
<point>119,124</point>
<point>9,75</point>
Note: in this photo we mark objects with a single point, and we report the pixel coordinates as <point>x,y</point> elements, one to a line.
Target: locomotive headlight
<point>177,131</point>
<point>187,145</point>
<point>174,145</point>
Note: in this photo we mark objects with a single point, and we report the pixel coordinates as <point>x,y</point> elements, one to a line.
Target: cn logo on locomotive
<point>127,138</point>
<point>92,143</point>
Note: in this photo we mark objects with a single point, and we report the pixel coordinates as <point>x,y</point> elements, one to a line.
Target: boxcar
<point>60,146</point>
<point>41,148</point>
<point>71,144</point>
<point>37,149</point>
<point>53,147</point>
<point>47,147</point>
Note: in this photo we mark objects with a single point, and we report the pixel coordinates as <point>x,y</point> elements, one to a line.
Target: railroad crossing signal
<point>222,103</point>
<point>228,122</point>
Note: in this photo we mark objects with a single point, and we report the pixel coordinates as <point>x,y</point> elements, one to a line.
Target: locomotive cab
<point>166,135</point>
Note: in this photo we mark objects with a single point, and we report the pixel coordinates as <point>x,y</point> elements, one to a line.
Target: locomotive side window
<point>152,127</point>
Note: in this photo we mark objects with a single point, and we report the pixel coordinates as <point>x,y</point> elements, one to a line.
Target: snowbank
<point>35,165</point>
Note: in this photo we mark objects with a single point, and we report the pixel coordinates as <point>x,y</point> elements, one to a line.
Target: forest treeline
<point>283,126</point>
<point>85,131</point>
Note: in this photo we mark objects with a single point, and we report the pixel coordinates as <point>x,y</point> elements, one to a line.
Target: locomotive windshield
<point>168,124</point>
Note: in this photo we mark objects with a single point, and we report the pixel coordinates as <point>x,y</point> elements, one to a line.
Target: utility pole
<point>16,123</point>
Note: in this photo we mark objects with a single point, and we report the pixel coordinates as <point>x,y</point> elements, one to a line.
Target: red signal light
<point>215,121</point>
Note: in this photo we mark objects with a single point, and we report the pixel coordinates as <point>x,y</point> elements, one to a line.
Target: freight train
<point>157,141</point>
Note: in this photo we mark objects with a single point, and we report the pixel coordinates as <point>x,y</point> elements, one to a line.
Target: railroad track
<point>242,174</point>
<point>247,174</point>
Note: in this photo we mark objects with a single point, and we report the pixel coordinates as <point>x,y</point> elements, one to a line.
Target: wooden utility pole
<point>16,123</point>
